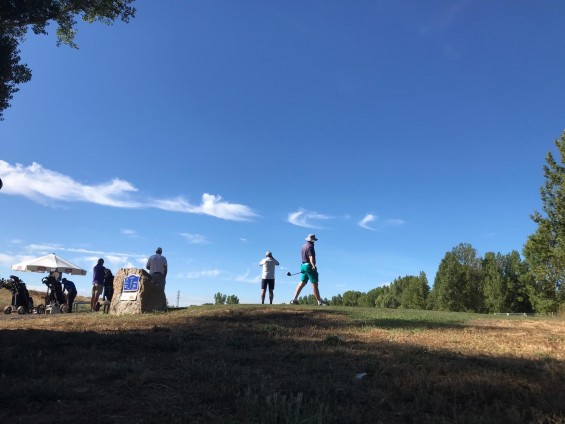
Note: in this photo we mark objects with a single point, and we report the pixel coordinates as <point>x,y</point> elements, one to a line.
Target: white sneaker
<point>322,303</point>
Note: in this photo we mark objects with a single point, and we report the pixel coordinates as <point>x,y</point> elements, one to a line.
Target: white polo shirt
<point>268,265</point>
<point>157,263</point>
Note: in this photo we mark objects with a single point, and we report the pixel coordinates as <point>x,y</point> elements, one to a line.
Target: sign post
<point>131,285</point>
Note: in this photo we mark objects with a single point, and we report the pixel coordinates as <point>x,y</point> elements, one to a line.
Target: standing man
<point>309,271</point>
<point>71,290</point>
<point>268,277</point>
<point>157,267</point>
<point>97,284</point>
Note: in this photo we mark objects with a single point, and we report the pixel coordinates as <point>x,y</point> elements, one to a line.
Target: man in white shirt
<point>157,267</point>
<point>268,277</point>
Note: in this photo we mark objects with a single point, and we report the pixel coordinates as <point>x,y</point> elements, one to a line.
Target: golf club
<point>288,274</point>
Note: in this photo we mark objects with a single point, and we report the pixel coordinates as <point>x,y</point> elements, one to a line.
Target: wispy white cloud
<point>246,278</point>
<point>128,232</point>
<point>304,218</point>
<point>194,238</point>
<point>211,205</point>
<point>371,222</point>
<point>367,219</point>
<point>48,187</point>
<point>394,222</point>
<point>9,259</point>
<point>205,273</point>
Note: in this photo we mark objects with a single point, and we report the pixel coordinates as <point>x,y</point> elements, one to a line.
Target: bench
<point>75,305</point>
<point>105,305</point>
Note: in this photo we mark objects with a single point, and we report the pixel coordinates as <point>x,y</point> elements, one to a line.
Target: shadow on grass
<point>256,366</point>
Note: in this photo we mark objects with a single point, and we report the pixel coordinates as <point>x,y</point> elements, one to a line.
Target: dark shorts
<point>268,282</point>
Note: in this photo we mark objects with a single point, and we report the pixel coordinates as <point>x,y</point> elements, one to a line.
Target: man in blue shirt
<point>71,290</point>
<point>308,270</point>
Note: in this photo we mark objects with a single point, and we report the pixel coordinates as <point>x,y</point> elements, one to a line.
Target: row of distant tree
<point>494,283</point>
<point>464,282</point>
<point>224,299</point>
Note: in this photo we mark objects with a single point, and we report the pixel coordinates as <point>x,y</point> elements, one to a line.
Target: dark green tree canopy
<point>545,249</point>
<point>17,16</point>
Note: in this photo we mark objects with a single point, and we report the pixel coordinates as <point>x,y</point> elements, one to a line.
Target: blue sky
<point>218,130</point>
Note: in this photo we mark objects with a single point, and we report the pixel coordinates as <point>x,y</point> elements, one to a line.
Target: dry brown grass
<point>282,364</point>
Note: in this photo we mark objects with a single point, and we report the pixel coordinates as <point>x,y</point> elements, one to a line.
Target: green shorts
<point>309,273</point>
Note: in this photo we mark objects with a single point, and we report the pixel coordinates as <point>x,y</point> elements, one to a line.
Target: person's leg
<point>304,269</point>
<point>96,291</point>
<point>263,289</point>
<point>271,290</point>
<point>316,292</point>
<point>314,280</point>
<point>70,300</point>
<point>159,279</point>
<point>299,288</point>
<point>92,302</point>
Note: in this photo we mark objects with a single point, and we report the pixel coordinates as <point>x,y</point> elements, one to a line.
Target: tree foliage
<point>337,300</point>
<point>505,280</point>
<point>448,285</point>
<point>18,16</point>
<point>545,249</point>
<point>232,300</point>
<point>415,292</point>
<point>351,298</point>
<point>458,282</point>
<point>223,299</point>
<point>220,299</point>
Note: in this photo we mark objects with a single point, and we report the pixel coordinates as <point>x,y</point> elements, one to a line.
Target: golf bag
<point>55,299</point>
<point>21,300</point>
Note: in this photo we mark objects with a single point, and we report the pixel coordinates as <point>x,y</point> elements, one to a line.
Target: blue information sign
<point>131,283</point>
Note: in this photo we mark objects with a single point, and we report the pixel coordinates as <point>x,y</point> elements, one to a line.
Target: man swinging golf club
<point>268,276</point>
<point>308,270</point>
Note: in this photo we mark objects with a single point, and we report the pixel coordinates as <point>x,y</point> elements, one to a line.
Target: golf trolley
<point>21,300</point>
<point>55,299</point>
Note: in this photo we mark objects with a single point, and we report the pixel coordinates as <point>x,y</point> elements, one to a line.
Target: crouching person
<point>70,288</point>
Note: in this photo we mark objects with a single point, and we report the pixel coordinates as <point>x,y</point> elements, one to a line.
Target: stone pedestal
<point>141,293</point>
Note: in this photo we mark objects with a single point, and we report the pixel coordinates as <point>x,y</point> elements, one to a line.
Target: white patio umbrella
<point>49,263</point>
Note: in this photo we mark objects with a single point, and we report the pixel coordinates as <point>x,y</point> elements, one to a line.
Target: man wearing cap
<point>308,271</point>
<point>268,277</point>
<point>157,267</point>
